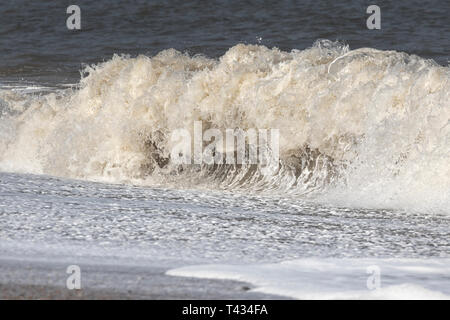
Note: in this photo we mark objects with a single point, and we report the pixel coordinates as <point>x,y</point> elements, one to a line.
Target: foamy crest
<point>357,127</point>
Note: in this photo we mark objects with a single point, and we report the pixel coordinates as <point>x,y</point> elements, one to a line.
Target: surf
<point>361,127</point>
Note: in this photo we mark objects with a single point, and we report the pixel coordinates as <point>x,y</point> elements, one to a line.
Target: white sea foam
<point>336,278</point>
<point>363,127</point>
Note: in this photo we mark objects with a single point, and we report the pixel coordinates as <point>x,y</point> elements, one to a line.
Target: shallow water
<point>208,226</point>
<point>231,236</point>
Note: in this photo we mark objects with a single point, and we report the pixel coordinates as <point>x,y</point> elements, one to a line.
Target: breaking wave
<point>359,127</point>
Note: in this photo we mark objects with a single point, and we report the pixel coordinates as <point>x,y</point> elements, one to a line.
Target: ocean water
<point>364,117</point>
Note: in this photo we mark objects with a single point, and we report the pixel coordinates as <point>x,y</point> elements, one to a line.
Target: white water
<point>365,128</point>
